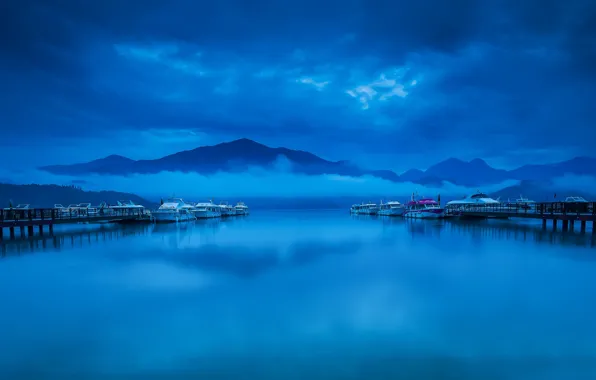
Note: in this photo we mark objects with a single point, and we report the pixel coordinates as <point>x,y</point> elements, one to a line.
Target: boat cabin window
<point>479,195</point>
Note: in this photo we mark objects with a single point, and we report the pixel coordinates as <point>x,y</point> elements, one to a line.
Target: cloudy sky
<point>393,84</point>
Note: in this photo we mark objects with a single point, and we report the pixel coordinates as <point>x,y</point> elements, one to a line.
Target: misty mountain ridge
<point>243,154</point>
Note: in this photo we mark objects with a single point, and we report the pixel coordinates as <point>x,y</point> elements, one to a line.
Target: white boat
<point>19,207</point>
<point>87,209</point>
<point>425,208</point>
<point>129,205</point>
<point>478,199</point>
<point>521,202</point>
<point>575,200</point>
<point>227,210</point>
<point>172,211</point>
<point>364,209</point>
<point>576,205</point>
<point>241,209</point>
<point>392,208</point>
<point>61,210</point>
<point>206,210</point>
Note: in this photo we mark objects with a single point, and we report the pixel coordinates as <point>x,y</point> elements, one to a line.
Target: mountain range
<point>243,154</point>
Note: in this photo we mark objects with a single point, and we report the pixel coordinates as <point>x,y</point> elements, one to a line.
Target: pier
<point>568,214</point>
<point>27,220</point>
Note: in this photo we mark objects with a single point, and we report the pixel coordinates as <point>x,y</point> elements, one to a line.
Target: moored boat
<point>129,205</point>
<point>576,205</point>
<point>364,209</point>
<point>425,208</point>
<point>206,210</point>
<point>227,210</point>
<point>521,203</point>
<point>19,207</point>
<point>85,209</point>
<point>477,200</point>
<point>241,209</point>
<point>172,211</point>
<point>391,208</point>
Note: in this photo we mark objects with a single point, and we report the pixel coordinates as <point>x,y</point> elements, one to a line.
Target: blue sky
<point>391,84</point>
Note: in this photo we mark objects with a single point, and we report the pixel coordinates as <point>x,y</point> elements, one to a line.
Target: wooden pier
<point>28,219</point>
<point>567,213</point>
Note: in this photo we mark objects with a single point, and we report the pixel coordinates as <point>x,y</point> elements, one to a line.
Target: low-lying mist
<point>279,182</point>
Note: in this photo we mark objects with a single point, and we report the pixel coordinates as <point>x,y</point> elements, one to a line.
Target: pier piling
<point>565,225</point>
<point>30,230</point>
<point>554,224</point>
<point>582,226</point>
<point>11,232</point>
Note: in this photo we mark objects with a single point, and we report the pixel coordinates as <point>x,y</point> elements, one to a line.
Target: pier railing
<point>537,210</point>
<point>52,214</point>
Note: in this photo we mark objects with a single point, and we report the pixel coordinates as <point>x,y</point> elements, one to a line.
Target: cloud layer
<point>375,80</point>
<point>257,182</point>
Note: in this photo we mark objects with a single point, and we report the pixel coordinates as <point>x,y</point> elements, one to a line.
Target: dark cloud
<point>509,72</point>
<point>36,26</point>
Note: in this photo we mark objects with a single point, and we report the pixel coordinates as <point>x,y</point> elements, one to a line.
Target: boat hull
<point>206,214</point>
<point>228,212</point>
<point>171,217</point>
<point>425,214</point>
<point>367,212</point>
<point>392,212</point>
<point>241,212</point>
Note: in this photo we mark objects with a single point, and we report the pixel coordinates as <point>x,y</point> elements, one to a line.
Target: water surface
<point>297,295</point>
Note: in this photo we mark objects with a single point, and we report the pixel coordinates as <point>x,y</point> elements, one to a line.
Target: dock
<point>567,213</point>
<point>29,219</point>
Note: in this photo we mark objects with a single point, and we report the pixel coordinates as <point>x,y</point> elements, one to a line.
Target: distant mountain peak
<point>116,157</point>
<point>452,160</point>
<point>243,142</point>
<point>112,159</point>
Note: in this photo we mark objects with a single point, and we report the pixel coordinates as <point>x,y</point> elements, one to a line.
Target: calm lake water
<point>300,295</point>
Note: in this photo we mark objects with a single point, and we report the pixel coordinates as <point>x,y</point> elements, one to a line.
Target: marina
<point>573,210</point>
<point>175,210</point>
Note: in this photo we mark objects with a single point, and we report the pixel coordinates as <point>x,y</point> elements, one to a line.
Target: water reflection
<point>202,234</point>
<point>71,238</point>
<point>520,231</point>
<point>301,295</point>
